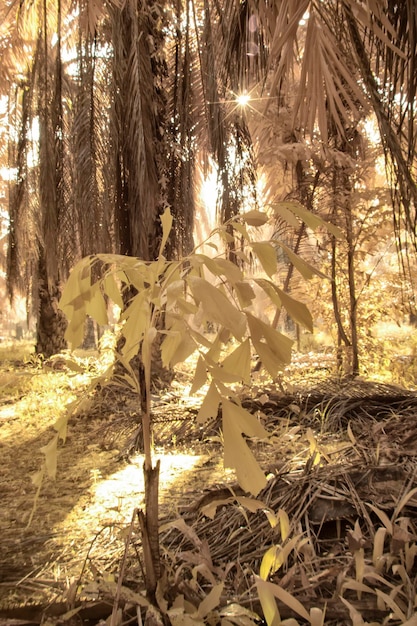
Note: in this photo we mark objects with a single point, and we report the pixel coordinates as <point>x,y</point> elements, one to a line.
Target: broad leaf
<point>166,220</point>
<point>279,344</point>
<point>312,220</point>
<point>237,454</point>
<point>217,307</point>
<point>254,218</point>
<point>267,256</point>
<point>284,596</point>
<point>96,305</point>
<point>200,376</point>
<point>210,405</point>
<point>112,290</point>
<point>306,270</point>
<point>211,601</point>
<point>238,362</point>
<point>245,293</point>
<point>297,310</point>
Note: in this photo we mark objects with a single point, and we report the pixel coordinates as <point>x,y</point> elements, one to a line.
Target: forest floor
<point>337,519</point>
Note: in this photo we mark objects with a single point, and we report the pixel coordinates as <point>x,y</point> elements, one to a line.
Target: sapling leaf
<point>183,349</point>
<point>230,270</point>
<point>280,209</point>
<point>75,330</point>
<point>245,293</point>
<point>166,220</point>
<point>237,454</point>
<point>269,288</point>
<point>297,310</point>
<point>306,270</point>
<point>216,306</point>
<point>112,290</point>
<point>210,404</point>
<point>238,362</point>
<point>96,305</point>
<point>254,218</point>
<point>78,282</point>
<point>267,256</point>
<point>312,220</point>
<point>378,549</point>
<point>277,347</point>
<point>200,376</point>
<point>241,228</point>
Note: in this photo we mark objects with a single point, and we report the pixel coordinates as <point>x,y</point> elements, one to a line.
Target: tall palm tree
<point>131,97</point>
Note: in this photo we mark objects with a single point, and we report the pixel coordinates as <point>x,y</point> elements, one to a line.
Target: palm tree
<point>132,97</point>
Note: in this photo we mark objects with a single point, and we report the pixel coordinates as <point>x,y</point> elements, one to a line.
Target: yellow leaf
<point>312,220</point>
<point>269,606</point>
<point>200,376</point>
<point>297,310</point>
<point>266,255</point>
<point>250,503</point>
<point>284,523</point>
<point>96,306</point>
<point>285,597</point>
<point>276,351</point>
<point>245,293</point>
<point>268,563</point>
<point>217,307</point>
<point>209,510</point>
<point>306,270</point>
<point>237,454</point>
<point>166,220</point>
<point>210,405</point>
<point>239,362</point>
<point>254,218</point>
<point>112,290</point>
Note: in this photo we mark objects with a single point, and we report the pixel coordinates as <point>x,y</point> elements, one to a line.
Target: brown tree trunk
<point>51,322</point>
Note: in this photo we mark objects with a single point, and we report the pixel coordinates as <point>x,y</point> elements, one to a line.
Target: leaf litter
<point>334,527</point>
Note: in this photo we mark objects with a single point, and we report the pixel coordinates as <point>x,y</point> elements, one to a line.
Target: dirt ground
<point>77,531</point>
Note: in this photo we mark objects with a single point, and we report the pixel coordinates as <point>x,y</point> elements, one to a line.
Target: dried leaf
<point>284,596</point>
<point>211,601</point>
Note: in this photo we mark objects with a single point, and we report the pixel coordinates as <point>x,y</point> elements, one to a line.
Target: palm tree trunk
<point>51,322</point>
